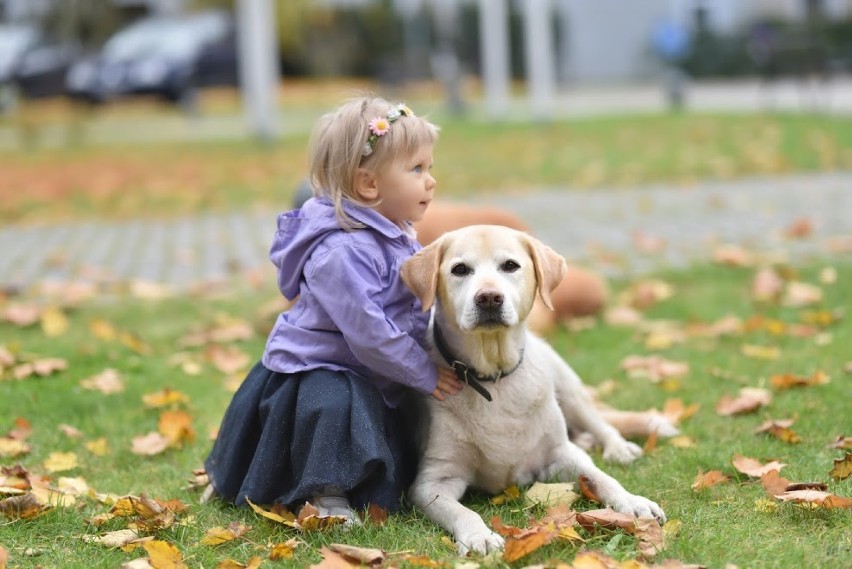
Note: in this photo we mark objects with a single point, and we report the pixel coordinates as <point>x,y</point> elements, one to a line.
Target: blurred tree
<point>88,22</point>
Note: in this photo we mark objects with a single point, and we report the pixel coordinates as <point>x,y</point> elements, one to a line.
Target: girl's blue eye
<point>418,169</point>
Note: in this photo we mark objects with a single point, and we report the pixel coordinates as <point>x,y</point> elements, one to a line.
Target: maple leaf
<point>842,467</point>
<point>707,479</point>
<point>549,495</point>
<point>752,467</point>
<point>748,400</point>
<point>221,534</point>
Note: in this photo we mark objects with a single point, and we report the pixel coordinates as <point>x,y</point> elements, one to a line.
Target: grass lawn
<point>150,345</point>
<point>164,179</point>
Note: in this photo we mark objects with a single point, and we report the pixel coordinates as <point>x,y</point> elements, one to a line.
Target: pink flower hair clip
<point>380,126</point>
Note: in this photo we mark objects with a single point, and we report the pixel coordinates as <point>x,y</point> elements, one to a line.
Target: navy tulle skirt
<point>285,437</point>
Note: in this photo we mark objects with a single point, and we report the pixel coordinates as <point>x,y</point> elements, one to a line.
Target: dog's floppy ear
<point>420,273</point>
<point>550,268</point>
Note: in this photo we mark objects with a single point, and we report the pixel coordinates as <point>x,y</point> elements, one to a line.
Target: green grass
<point>719,525</point>
<point>472,157</point>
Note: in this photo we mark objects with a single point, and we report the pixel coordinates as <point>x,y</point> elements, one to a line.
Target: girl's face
<point>406,187</point>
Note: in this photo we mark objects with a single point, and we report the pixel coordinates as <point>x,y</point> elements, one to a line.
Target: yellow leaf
<point>218,535</point>
<point>54,322</point>
<point>13,447</point>
<point>102,330</point>
<point>517,548</point>
<point>765,506</point>
<point>98,447</point>
<point>842,467</point>
<point>166,397</point>
<point>118,538</point>
<point>549,495</point>
<point>164,555</point>
<point>60,461</point>
<point>682,441</point>
<point>176,427</point>
<point>708,479</point>
<point>286,520</point>
<point>509,494</point>
<point>761,352</point>
<point>283,550</point>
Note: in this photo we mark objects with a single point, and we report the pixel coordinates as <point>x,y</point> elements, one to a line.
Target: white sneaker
<point>336,506</point>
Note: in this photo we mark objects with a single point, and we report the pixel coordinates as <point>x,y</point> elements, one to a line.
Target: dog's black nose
<point>488,299</point>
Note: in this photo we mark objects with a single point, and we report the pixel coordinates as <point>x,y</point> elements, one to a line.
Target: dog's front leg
<point>438,498</point>
<point>572,462</point>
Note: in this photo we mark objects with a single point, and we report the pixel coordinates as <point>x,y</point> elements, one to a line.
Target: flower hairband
<point>380,126</point>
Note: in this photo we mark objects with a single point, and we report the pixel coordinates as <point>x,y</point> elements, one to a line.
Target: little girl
<point>316,419</point>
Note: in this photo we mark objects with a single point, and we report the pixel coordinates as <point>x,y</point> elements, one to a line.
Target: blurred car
<point>15,40</point>
<point>41,71</point>
<point>166,56</point>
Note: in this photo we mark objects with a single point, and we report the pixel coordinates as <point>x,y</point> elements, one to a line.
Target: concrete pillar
<point>259,72</point>
<point>540,61</point>
<point>494,49</point>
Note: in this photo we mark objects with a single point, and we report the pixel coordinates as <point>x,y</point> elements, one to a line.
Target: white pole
<point>259,75</point>
<point>494,49</point>
<point>539,55</point>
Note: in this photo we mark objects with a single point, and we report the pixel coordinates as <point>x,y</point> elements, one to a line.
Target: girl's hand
<point>448,384</point>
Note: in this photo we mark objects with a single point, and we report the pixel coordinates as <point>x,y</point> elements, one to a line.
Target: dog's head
<point>484,276</point>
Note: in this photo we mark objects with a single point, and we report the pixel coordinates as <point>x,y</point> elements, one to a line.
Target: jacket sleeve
<point>346,282</point>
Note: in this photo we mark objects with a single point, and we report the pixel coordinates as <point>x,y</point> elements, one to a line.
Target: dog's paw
<point>662,426</point>
<point>621,451</point>
<point>481,541</point>
<point>639,506</point>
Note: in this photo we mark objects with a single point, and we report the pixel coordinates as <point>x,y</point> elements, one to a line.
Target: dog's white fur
<point>522,435</point>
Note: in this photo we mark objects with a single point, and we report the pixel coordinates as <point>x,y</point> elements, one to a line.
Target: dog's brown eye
<point>460,269</point>
<point>510,266</point>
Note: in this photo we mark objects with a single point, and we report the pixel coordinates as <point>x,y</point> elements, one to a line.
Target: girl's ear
<point>365,185</point>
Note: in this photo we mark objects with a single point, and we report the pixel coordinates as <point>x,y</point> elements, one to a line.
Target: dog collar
<point>466,373</point>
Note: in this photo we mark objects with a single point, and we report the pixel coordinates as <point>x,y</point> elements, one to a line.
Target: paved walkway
<point>597,228</point>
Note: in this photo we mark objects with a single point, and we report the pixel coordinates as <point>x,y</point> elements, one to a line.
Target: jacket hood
<point>300,231</point>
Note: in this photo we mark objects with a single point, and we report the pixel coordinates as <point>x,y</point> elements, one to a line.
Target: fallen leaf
<point>789,380</point>
<point>333,560</point>
<point>376,514</point>
<point>654,368</point>
<point>773,484</point>
<point>221,534</point>
<point>98,447</point>
<point>755,468</point>
<point>150,444</point>
<point>707,479</point>
<point>118,538</point>
<point>362,555</point>
<point>285,517</point>
<point>60,461</point>
<point>4,557</point>
<point>25,506</point>
<point>682,441</point>
<point>760,352</point>
<point>549,495</point>
<point>54,323</point>
<point>70,432</point>
<point>509,494</point>
<point>767,285</point>
<point>816,497</point>
<point>799,294</point>
<point>283,550</point>
<point>164,555</point>
<point>799,229</point>
<point>588,489</point>
<point>594,560</point>
<point>102,330</point>
<point>176,426</point>
<point>517,547</point>
<point>13,447</point>
<point>165,398</point>
<point>733,256</point>
<point>749,399</point>
<point>780,429</point>
<point>252,563</point>
<point>842,467</point>
<point>841,442</point>
<point>22,315</point>
<point>107,382</point>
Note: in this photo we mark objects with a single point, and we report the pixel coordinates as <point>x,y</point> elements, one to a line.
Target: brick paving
<point>596,228</point>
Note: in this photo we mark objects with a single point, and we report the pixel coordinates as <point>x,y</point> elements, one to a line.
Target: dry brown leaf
<point>333,560</point>
<point>841,442</point>
<point>25,506</point>
<point>594,560</point>
<point>363,555</point>
<point>227,359</point>
<point>4,557</point>
<point>842,467</point>
<point>22,315</point>
<point>654,368</point>
<point>221,534</point>
<point>789,380</point>
<point>107,382</point>
<point>150,444</point>
<point>780,429</point>
<point>749,399</point>
<point>116,539</point>
<point>176,426</point>
<point>773,483</point>
<point>651,537</point>
<point>70,432</point>
<point>816,498</point>
<point>623,316</point>
<point>675,411</point>
<point>517,547</point>
<point>588,489</point>
<point>755,468</point>
<point>707,479</point>
<point>165,398</point>
<point>376,514</point>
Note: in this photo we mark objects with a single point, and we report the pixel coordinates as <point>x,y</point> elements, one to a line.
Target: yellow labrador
<point>510,424</point>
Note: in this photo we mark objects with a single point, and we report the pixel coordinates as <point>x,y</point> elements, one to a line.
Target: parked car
<point>166,56</point>
<point>41,71</point>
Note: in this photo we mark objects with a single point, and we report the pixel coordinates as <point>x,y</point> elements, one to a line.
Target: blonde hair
<point>337,145</point>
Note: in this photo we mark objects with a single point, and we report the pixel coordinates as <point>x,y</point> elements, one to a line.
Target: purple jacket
<point>354,312</point>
